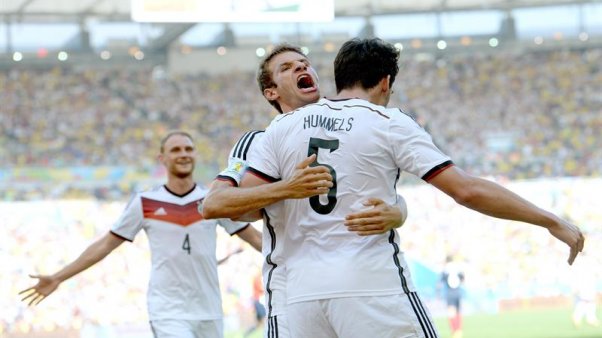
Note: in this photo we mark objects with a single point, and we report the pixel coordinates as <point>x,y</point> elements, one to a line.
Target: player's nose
<point>299,66</point>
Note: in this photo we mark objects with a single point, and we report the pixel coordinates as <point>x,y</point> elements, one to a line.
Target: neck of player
<point>179,185</point>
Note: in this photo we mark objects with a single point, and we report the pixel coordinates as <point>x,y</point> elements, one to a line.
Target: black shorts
<point>453,299</point>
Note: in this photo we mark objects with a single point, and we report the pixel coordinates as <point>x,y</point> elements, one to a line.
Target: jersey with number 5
<point>364,146</point>
<point>183,282</point>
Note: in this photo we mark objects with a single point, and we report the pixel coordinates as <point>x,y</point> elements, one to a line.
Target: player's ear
<point>271,94</point>
<point>384,83</point>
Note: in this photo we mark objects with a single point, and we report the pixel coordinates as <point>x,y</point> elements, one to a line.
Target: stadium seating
<point>517,116</point>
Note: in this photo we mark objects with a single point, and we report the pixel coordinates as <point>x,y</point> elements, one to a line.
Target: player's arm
<point>47,284</point>
<point>494,200</point>
<point>379,219</point>
<point>252,236</point>
<point>221,200</point>
<point>254,193</point>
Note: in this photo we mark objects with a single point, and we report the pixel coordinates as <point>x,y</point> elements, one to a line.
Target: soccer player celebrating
<point>183,295</point>
<point>288,81</point>
<point>339,284</point>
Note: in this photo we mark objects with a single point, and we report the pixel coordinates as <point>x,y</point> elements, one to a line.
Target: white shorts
<point>395,316</point>
<point>277,327</point>
<point>180,328</point>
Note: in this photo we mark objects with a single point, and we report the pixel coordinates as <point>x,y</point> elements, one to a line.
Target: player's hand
<point>569,234</point>
<point>45,286</point>
<point>309,181</point>
<point>377,220</point>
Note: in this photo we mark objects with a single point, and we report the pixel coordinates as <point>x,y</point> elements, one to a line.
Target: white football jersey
<point>183,281</point>
<point>273,269</point>
<point>365,146</point>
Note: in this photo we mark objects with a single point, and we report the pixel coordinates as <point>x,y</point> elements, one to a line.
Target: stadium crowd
<point>518,116</point>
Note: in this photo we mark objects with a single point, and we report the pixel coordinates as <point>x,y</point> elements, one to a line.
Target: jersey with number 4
<point>183,281</point>
<point>364,146</point>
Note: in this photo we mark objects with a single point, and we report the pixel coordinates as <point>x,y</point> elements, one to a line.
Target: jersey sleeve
<point>263,160</point>
<point>231,226</point>
<point>130,221</point>
<point>237,160</point>
<point>414,150</point>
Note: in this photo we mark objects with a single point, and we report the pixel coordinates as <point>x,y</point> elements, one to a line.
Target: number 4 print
<point>186,244</point>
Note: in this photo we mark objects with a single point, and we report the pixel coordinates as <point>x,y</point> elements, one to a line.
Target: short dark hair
<point>365,62</point>
<point>172,133</point>
<point>264,75</point>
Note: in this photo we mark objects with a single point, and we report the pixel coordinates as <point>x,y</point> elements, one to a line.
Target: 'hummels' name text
<point>328,123</point>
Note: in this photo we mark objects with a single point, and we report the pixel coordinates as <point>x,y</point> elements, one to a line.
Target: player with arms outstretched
<point>183,294</point>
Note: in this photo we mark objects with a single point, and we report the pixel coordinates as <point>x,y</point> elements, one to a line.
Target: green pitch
<point>523,324</point>
<point>516,324</point>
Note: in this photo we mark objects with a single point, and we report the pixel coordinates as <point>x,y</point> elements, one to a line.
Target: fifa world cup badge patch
<point>237,167</point>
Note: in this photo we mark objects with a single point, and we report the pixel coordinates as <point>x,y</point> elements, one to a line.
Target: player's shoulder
<point>387,113</point>
<point>152,192</point>
<point>400,117</point>
<point>144,191</point>
<point>247,138</point>
<point>242,146</point>
<point>138,195</point>
<point>248,135</point>
<point>391,115</point>
<point>400,114</point>
<point>395,118</point>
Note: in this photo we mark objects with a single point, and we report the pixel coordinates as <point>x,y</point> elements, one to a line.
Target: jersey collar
<point>180,195</point>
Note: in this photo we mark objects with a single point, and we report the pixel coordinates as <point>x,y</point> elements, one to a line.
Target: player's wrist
<point>57,278</point>
<point>550,221</point>
<point>283,190</point>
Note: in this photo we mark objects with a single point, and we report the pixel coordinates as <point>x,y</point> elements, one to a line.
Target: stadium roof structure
<point>85,18</point>
<point>119,10</point>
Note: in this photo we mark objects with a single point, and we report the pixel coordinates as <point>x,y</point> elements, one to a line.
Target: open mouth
<point>305,82</point>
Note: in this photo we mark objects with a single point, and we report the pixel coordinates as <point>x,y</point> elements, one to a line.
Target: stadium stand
<point>517,116</point>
